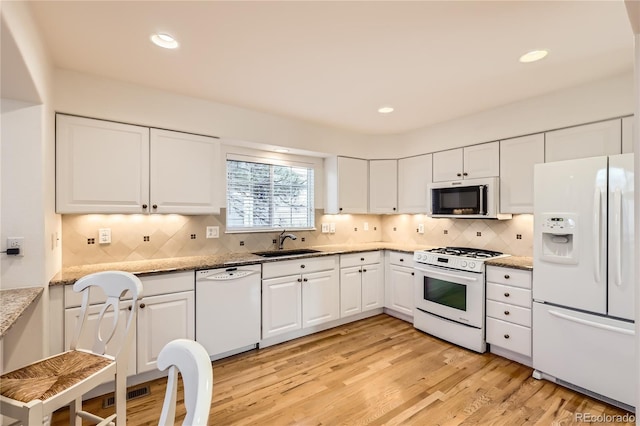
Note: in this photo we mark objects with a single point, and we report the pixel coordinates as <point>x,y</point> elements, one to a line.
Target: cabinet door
<point>350,291</point>
<point>401,289</point>
<point>383,186</point>
<point>101,166</point>
<point>162,319</point>
<point>627,135</point>
<point>517,158</point>
<point>372,286</point>
<point>353,185</point>
<point>482,160</point>
<point>590,140</point>
<point>320,297</point>
<point>71,316</point>
<point>281,305</point>
<point>185,173</point>
<point>414,174</point>
<point>447,165</point>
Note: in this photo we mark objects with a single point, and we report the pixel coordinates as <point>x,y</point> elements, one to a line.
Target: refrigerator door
<point>593,352</point>
<point>621,237</point>
<point>570,262</point>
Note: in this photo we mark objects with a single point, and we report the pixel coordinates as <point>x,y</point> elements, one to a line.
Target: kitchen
<point>83,94</point>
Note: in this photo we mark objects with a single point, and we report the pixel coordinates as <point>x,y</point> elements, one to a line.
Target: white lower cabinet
<point>361,283</point>
<point>299,293</point>
<point>509,322</point>
<point>166,312</point>
<point>399,289</point>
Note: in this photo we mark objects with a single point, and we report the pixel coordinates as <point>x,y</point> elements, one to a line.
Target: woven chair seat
<point>45,379</point>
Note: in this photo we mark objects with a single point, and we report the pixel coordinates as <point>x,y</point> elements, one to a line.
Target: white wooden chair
<point>32,393</point>
<point>192,361</point>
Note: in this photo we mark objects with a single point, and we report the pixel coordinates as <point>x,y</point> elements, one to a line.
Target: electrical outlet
<point>16,243</point>
<point>325,228</point>
<point>421,228</point>
<point>332,228</point>
<point>366,226</point>
<point>104,235</point>
<point>213,232</point>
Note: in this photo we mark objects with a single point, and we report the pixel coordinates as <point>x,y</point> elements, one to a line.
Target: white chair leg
<point>121,398</point>
<point>74,408</point>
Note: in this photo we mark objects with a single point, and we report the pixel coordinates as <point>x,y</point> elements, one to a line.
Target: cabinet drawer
<point>509,336</point>
<point>510,313</point>
<point>355,259</point>
<point>282,268</point>
<point>152,285</point>
<point>510,295</point>
<point>509,276</point>
<point>401,259</point>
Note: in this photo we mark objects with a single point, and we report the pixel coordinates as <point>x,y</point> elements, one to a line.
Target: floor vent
<point>132,394</point>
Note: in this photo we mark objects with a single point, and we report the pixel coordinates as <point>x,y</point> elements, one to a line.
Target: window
<point>266,196</point>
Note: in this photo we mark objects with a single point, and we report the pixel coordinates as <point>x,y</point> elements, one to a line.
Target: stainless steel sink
<point>282,253</point>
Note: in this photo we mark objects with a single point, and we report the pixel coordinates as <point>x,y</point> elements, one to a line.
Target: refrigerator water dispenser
<point>558,233</point>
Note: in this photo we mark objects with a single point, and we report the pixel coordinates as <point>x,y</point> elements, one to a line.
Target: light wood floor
<point>376,371</point>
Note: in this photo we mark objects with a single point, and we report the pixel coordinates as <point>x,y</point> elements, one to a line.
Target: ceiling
<point>335,63</point>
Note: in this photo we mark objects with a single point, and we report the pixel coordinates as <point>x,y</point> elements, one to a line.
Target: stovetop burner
<point>466,252</point>
<point>462,258</point>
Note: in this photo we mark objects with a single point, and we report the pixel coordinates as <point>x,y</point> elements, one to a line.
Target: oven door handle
<point>435,274</point>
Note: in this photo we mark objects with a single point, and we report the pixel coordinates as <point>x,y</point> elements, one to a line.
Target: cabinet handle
<point>362,259</point>
<point>506,277</point>
<point>302,266</point>
<point>340,209</point>
<point>458,174</point>
<point>299,280</point>
<point>506,312</point>
<point>465,174</point>
<point>144,206</point>
<point>359,271</point>
<point>506,336</point>
<point>130,308</point>
<point>155,206</point>
<point>305,280</point>
<point>413,273</point>
<point>394,209</point>
<point>401,260</point>
<point>142,305</point>
<point>506,294</point>
<point>364,270</point>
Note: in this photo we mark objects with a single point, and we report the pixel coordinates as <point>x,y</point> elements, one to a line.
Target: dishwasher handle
<point>228,275</point>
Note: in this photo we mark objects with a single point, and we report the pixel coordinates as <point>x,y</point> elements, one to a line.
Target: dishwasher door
<point>228,309</point>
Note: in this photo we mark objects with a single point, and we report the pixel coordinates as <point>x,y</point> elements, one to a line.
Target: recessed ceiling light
<point>283,150</point>
<point>534,55</point>
<point>164,40</point>
<point>385,109</point>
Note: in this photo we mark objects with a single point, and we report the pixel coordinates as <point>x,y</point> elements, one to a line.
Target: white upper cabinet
<point>101,166</point>
<point>517,158</point>
<point>383,186</point>
<point>414,174</point>
<point>589,140</point>
<point>184,172</point>
<point>107,167</point>
<point>347,185</point>
<point>627,135</point>
<point>471,162</point>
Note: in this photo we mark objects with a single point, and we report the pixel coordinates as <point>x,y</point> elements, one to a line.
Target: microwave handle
<point>481,189</point>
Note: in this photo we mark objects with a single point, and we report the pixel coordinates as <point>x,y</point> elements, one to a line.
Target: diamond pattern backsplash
<point>138,237</point>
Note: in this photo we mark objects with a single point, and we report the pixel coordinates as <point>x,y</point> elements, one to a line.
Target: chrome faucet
<point>283,237</point>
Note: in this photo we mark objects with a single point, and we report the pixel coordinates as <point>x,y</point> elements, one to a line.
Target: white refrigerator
<point>583,283</point>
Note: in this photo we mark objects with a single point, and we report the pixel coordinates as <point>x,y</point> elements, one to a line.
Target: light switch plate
<point>421,228</point>
<point>104,236</point>
<point>325,228</point>
<point>213,232</point>
<point>332,228</point>
<point>366,226</point>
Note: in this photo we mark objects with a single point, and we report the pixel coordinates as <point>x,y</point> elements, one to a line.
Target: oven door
<point>454,295</point>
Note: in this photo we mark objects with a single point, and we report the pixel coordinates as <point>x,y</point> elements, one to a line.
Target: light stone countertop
<point>515,262</point>
<point>70,275</point>
<point>13,303</point>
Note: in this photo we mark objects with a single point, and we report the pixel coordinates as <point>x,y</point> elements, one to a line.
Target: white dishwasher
<point>228,309</point>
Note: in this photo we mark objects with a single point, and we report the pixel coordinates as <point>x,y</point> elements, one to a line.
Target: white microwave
<point>466,199</point>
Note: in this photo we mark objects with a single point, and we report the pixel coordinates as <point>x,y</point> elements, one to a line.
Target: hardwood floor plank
<point>377,371</point>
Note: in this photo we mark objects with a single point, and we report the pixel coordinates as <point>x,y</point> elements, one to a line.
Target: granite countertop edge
<point>71,274</point>
<point>514,262</point>
<point>15,302</point>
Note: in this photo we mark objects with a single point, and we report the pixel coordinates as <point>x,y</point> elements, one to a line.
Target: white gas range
<point>450,293</point>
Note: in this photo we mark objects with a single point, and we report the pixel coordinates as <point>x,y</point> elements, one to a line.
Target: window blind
<point>269,196</point>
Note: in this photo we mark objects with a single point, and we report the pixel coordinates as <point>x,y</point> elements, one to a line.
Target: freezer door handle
<point>617,236</point>
<point>597,197</point>
<point>591,323</point>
